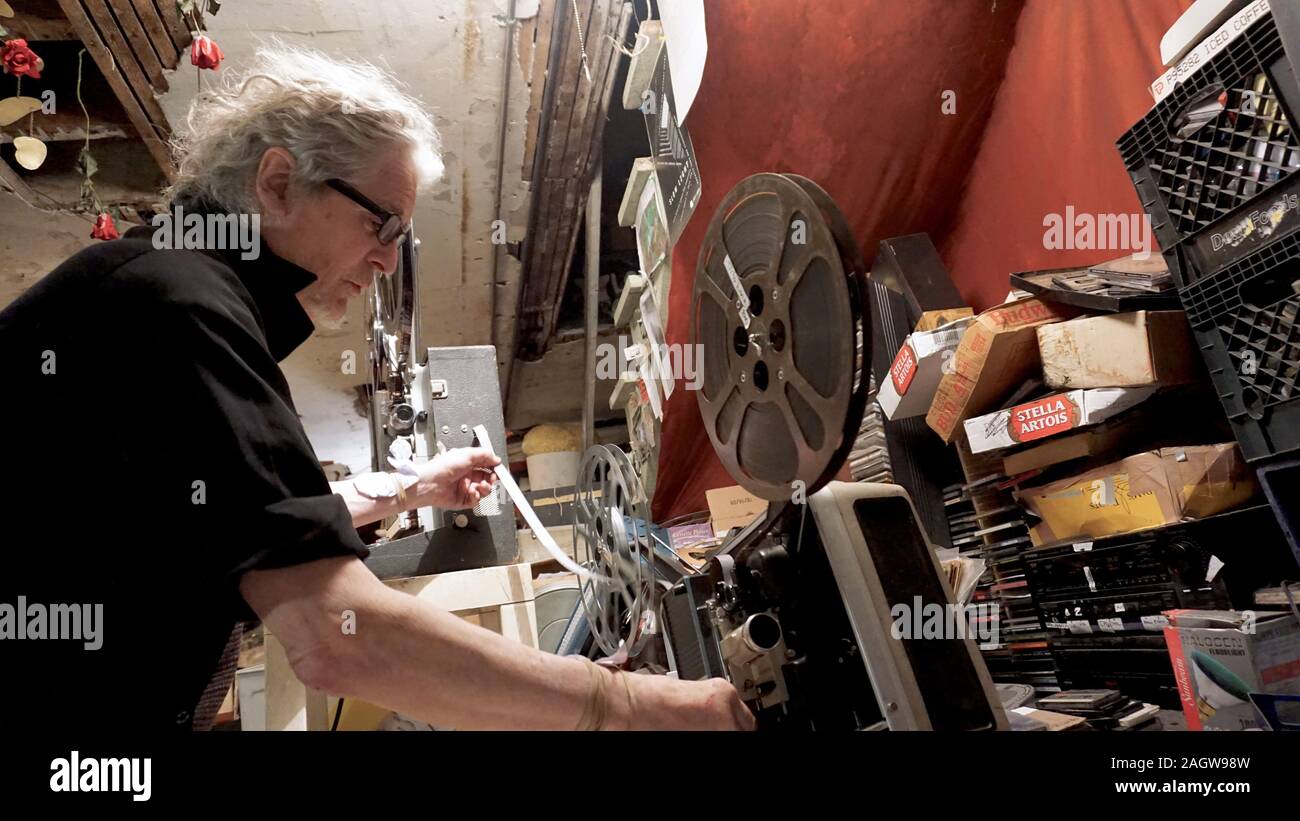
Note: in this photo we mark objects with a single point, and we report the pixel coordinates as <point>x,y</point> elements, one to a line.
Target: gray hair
<point>336,117</point>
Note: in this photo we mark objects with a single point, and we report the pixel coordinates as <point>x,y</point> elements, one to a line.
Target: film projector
<point>423,400</point>
<point>795,609</point>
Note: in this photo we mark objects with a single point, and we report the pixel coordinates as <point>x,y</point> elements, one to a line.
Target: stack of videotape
<point>1104,601</point>
<point>1103,709</point>
<point>984,523</point>
<point>869,458</point>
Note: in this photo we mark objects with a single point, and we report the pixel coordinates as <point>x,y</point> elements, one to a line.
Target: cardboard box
<point>914,376</point>
<point>1049,416</point>
<point>1119,350</point>
<point>1221,656</point>
<point>1145,490</point>
<point>934,320</point>
<point>1125,434</point>
<point>733,507</point>
<point>998,352</point>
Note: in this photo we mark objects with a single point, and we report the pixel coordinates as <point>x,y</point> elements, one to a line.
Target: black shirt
<point>152,455</point>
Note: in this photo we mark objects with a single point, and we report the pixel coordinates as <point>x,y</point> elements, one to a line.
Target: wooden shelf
<point>37,21</point>
<point>63,127</point>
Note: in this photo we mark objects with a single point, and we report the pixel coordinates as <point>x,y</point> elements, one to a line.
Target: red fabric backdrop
<point>1075,82</point>
<point>850,94</point>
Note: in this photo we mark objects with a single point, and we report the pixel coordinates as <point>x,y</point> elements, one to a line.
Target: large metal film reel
<point>785,354</point>
<point>611,536</point>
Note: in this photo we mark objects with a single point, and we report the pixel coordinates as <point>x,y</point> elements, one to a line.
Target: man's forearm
<point>433,666</point>
<point>409,656</point>
<point>365,509</point>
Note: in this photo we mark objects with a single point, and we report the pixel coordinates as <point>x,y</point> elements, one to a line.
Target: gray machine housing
<point>823,588</point>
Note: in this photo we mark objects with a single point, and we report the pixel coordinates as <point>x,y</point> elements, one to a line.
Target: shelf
<point>64,127</point>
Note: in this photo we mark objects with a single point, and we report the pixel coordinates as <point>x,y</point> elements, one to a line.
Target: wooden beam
<point>537,79</point>
<point>153,23</point>
<point>28,26</point>
<point>177,29</point>
<point>603,95</point>
<point>134,110</point>
<point>570,79</point>
<point>14,184</point>
<point>588,127</point>
<point>577,112</point>
<point>141,44</point>
<point>111,35</point>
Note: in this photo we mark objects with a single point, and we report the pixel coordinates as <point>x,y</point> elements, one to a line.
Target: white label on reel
<point>742,299</point>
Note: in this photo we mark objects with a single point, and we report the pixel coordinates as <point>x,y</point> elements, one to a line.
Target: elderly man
<point>160,490</point>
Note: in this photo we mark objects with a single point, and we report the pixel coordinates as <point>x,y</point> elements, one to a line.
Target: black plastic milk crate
<point>1214,162</point>
<point>1246,321</point>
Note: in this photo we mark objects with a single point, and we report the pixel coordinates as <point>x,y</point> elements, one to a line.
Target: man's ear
<point>274,175</point>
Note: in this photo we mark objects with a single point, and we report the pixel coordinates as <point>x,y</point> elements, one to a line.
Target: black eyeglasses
<point>392,226</point>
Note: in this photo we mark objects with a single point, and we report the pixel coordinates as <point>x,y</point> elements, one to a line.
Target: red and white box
<point>1049,416</point>
<point>909,387</point>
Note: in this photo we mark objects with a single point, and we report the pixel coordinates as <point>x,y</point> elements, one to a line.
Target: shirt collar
<point>272,281</point>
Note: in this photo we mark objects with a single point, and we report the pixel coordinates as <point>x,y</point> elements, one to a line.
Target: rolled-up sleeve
<point>258,496</point>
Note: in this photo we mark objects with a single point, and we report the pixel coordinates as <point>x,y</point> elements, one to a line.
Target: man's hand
<point>455,480</point>
<point>662,703</point>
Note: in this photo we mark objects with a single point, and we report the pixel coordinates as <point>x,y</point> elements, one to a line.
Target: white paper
<point>1110,625</point>
<point>742,298</point>
<point>688,48</point>
<point>1216,564</point>
<point>654,333</point>
<point>651,229</point>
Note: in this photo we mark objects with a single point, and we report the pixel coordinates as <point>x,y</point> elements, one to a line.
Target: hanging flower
<point>104,227</point>
<point>205,53</point>
<point>20,61</point>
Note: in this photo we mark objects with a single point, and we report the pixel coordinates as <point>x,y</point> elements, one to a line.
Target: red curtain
<point>851,94</point>
<point>1075,82</point>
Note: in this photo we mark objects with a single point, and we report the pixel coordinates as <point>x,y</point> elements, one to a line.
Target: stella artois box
<point>1049,416</point>
<point>909,387</point>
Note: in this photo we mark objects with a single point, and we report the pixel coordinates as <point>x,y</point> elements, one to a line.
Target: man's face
<point>335,238</point>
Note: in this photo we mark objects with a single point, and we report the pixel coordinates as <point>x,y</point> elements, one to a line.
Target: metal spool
<point>781,399</point>
<point>392,316</point>
<point>608,501</point>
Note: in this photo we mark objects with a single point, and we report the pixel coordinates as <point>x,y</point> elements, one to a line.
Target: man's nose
<point>384,257</point>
